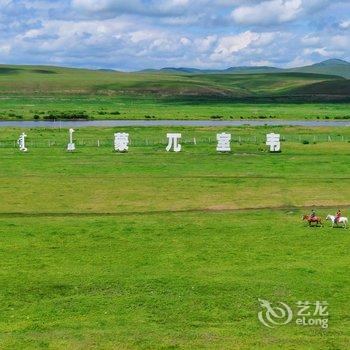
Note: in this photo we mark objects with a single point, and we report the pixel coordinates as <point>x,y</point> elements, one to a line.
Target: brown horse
<point>311,220</point>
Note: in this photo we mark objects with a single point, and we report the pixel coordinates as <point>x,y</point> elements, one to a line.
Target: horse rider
<point>313,214</point>
<point>337,216</point>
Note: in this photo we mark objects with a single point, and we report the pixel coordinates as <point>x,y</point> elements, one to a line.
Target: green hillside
<point>43,92</point>
<point>326,89</point>
<point>33,80</point>
<point>333,66</point>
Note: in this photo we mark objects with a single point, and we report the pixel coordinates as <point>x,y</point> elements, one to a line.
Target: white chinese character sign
<point>121,142</point>
<point>173,142</point>
<point>71,144</point>
<point>273,140</point>
<point>22,142</point>
<point>223,142</point>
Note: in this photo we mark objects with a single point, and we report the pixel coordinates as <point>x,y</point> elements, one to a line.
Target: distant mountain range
<point>329,67</point>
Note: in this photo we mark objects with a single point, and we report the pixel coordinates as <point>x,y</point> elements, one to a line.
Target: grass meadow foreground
<point>156,250</point>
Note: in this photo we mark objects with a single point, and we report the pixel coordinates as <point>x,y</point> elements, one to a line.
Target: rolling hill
<point>251,87</point>
<point>56,93</point>
<point>333,66</point>
<point>330,67</point>
<point>232,70</point>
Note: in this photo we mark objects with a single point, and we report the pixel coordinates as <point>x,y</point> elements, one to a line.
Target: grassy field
<point>28,92</point>
<point>156,250</point>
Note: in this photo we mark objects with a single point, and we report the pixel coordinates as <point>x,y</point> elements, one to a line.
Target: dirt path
<point>159,212</point>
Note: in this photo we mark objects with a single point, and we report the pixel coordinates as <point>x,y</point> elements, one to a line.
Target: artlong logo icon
<point>274,316</point>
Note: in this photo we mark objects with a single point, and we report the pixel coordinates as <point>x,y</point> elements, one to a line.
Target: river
<point>145,123</point>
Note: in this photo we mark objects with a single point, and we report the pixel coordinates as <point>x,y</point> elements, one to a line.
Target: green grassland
<point>156,250</point>
<point>34,92</point>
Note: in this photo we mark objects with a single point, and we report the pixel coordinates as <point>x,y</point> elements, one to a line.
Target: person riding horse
<point>313,214</point>
<point>337,217</point>
<point>313,218</point>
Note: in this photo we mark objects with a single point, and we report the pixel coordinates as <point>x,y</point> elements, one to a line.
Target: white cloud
<point>310,40</point>
<point>145,35</point>
<point>185,41</point>
<point>113,8</point>
<point>5,49</point>
<point>73,38</point>
<point>344,24</point>
<point>41,5</point>
<point>182,20</point>
<point>340,41</point>
<point>105,6</point>
<point>4,3</point>
<point>260,63</point>
<point>205,44</point>
<point>266,12</point>
<point>229,45</point>
<point>298,62</point>
<point>276,11</point>
<point>136,34</point>
<point>171,6</point>
<point>321,51</point>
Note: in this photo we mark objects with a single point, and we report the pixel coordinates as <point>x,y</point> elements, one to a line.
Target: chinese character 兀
<point>71,144</point>
<point>273,140</point>
<point>173,141</point>
<point>22,142</point>
<point>304,307</point>
<point>321,308</point>
<point>223,142</point>
<point>121,142</point>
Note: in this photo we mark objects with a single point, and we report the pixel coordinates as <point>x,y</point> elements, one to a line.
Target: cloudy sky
<point>137,34</point>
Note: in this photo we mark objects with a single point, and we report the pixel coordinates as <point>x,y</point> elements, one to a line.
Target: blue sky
<point>138,34</point>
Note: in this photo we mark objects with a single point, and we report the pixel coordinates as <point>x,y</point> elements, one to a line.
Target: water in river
<point>205,123</point>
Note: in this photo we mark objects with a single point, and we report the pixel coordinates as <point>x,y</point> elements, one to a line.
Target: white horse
<point>342,220</point>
